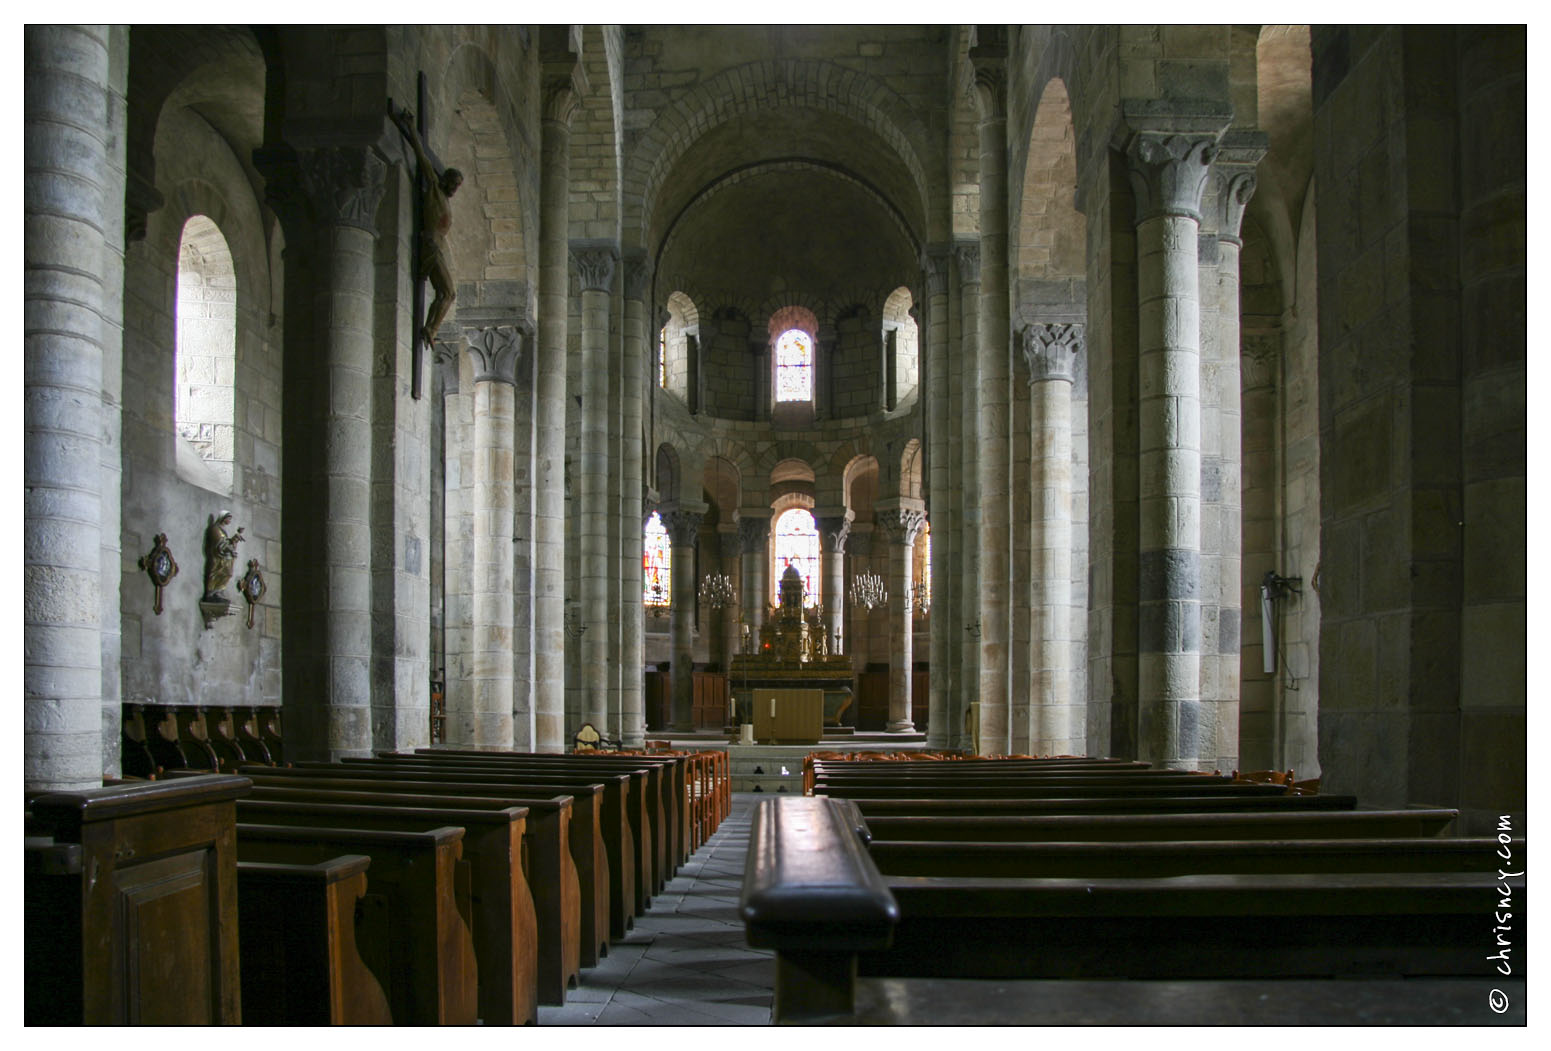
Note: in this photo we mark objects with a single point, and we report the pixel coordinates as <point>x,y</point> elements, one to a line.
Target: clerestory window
<point>796,544</point>
<point>656,563</point>
<point>794,366</point>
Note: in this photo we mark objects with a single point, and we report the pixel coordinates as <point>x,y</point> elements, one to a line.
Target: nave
<point>686,962</point>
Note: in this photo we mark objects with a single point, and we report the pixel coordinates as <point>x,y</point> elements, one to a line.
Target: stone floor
<point>686,961</point>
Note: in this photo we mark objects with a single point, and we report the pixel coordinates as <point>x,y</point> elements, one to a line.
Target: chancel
<point>1146,400</point>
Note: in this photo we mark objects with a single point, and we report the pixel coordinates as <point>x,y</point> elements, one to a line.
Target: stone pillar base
<point>905,726</point>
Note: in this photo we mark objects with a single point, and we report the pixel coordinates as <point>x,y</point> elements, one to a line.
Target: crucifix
<point>434,185</point>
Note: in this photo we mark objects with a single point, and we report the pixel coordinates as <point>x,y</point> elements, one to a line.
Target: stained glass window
<point>924,571</point>
<point>794,366</point>
<point>662,358</point>
<point>656,563</point>
<point>797,544</point>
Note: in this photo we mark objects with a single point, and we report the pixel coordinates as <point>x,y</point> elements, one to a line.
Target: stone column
<point>759,352</point>
<point>549,635</point>
<point>901,525</point>
<point>940,506</point>
<point>494,351</point>
<point>595,265</point>
<point>69,197</point>
<point>345,185</point>
<point>1229,190</point>
<point>683,526</point>
<point>965,422</point>
<point>458,532</point>
<point>1050,350</point>
<point>754,536</point>
<point>992,351</point>
<point>633,377</point>
<point>834,529</point>
<point>1168,173</point>
<point>728,547</point>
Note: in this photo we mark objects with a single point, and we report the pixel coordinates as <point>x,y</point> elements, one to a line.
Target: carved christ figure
<point>436,220</point>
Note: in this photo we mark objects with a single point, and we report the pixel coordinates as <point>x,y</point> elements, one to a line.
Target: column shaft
<point>968,533</point>
<point>489,721</point>
<point>940,504</point>
<point>632,641</point>
<point>597,267</point>
<point>66,203</point>
<point>549,636</point>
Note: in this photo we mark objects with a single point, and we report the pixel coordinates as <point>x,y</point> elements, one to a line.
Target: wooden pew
<point>1156,859</point>
<point>1296,824</point>
<point>665,795</point>
<point>520,958</point>
<point>300,964</point>
<point>412,932</point>
<point>643,802</point>
<point>131,904</point>
<point>1152,803</point>
<point>594,839</point>
<point>809,876</point>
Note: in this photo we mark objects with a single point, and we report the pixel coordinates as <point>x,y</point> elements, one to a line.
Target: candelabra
<point>867,591</point>
<point>919,600</point>
<point>716,591</point>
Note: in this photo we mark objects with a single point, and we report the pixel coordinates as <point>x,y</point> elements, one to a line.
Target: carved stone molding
<point>638,276</point>
<point>345,185</point>
<point>989,59</point>
<point>935,266</point>
<point>1235,187</point>
<point>901,524</point>
<point>447,366</point>
<point>560,96</point>
<point>683,526</point>
<point>753,534</point>
<point>833,531</point>
<point>1168,173</point>
<point>1050,351</point>
<point>968,254</point>
<point>495,351</point>
<point>595,265</point>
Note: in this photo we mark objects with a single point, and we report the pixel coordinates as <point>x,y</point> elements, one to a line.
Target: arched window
<point>923,571</point>
<point>656,563</point>
<point>796,544</point>
<point>662,358</point>
<point>794,366</point>
<point>206,354</point>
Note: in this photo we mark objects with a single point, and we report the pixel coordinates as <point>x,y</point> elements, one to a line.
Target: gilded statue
<point>220,555</point>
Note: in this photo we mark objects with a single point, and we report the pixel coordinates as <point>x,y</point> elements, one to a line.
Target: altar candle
<point>772,707</point>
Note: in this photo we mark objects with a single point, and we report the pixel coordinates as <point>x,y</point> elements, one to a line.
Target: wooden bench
<point>647,810</point>
<point>526,924</point>
<point>599,830</point>
<point>1280,824</point>
<point>809,874</point>
<point>666,794</point>
<point>1152,803</point>
<point>510,941</point>
<point>131,904</point>
<point>413,928</point>
<point>300,964</point>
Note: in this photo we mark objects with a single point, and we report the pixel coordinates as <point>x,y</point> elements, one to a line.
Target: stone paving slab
<point>686,962</point>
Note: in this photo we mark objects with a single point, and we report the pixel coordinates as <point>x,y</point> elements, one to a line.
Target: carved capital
<point>753,534</point>
<point>968,254</point>
<point>1168,173</point>
<point>560,97</point>
<point>731,544</point>
<point>494,351</point>
<point>834,531</point>
<point>988,58</point>
<point>1050,351</point>
<point>935,266</point>
<point>1235,186</point>
<point>638,276</point>
<point>595,264</point>
<point>901,524</point>
<point>446,366</point>
<point>345,185</point>
<point>683,526</point>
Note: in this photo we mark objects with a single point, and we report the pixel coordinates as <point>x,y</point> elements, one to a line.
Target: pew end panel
<point>301,964</point>
<point>811,893</point>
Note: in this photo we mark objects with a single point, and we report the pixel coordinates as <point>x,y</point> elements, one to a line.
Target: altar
<point>791,678</point>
